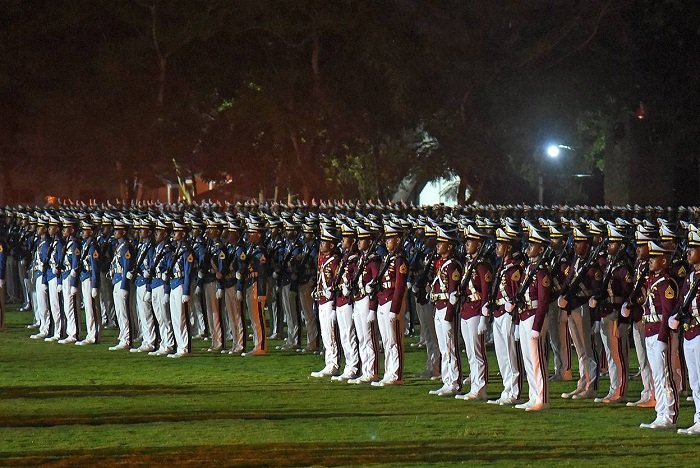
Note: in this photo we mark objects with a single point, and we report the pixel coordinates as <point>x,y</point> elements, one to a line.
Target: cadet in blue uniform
<point>180,263</point>
<point>231,269</point>
<point>256,285</point>
<point>122,262</point>
<point>70,264</point>
<point>90,283</point>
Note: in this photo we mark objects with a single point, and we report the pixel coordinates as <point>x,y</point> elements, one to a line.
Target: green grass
<point>68,405</point>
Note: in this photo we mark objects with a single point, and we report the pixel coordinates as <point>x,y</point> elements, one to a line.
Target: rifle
<point>632,298</point>
<point>525,285</point>
<point>607,277</point>
<point>49,252</point>
<point>682,311</point>
<point>364,259</point>
<point>483,251</point>
<point>377,285</point>
<point>159,257</point>
<point>571,288</point>
<point>142,257</point>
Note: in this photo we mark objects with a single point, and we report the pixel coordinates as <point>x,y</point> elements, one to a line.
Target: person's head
<point>161,235</point>
<point>473,246</point>
<point>614,247</point>
<point>119,232</point>
<point>444,248</point>
<point>178,235</point>
<point>534,249</point>
<point>391,242</point>
<point>86,232</point>
<point>145,233</point>
<point>658,263</point>
<point>503,249</point>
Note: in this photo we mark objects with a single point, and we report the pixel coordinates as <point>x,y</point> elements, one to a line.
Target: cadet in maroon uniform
<point>579,318</point>
<point>392,305</point>
<point>475,288</point>
<point>444,294</point>
<point>614,334</point>
<point>660,300</point>
<point>507,280</point>
<point>365,308</point>
<point>532,325</point>
<point>559,339</point>
<point>691,327</point>
<point>324,294</point>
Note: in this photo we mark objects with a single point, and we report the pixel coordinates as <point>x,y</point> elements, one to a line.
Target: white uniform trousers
<point>196,312</point>
<point>55,304</point>
<point>664,385</point>
<point>615,353</point>
<point>121,309</point>
<point>640,346</point>
<point>507,357</point>
<point>41,307</point>
<point>92,320</point>
<point>181,322</point>
<point>534,361</point>
<point>288,303</point>
<point>692,360</point>
<point>365,321</point>
<point>70,309</point>
<point>450,368</point>
<point>146,318</point>
<point>256,310</point>
<point>107,309</point>
<point>235,319</point>
<point>161,309</point>
<point>24,281</point>
<point>391,329</point>
<point>213,315</point>
<point>580,330</point>
<point>475,346</point>
<point>307,309</point>
<point>33,295</point>
<point>428,331</point>
<point>328,322</point>
<point>348,340</point>
<point>559,340</point>
<point>274,307</point>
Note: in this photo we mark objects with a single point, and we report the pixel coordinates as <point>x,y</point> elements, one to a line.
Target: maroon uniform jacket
<point>559,267</point>
<point>448,275</point>
<point>692,328</point>
<point>537,296</point>
<point>508,277</point>
<point>370,269</point>
<point>660,300</point>
<point>346,269</point>
<point>619,287</point>
<point>590,286</point>
<point>327,267</point>
<point>393,282</point>
<point>641,274</point>
<point>475,290</point>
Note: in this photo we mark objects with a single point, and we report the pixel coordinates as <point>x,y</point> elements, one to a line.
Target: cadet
<point>90,283</point>
<point>256,285</point>
<point>122,263</point>
<point>180,263</point>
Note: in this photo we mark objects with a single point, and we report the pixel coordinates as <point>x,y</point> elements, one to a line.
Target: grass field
<point>68,405</point>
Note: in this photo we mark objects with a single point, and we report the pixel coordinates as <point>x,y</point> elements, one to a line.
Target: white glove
<point>198,291</point>
<point>200,274</point>
<point>673,322</point>
<point>239,296</point>
<point>482,325</point>
<point>414,289</point>
<point>562,302</point>
<point>166,298</point>
<point>146,274</point>
<point>372,316</point>
<point>43,288</point>
<point>275,275</point>
<point>626,310</point>
<point>147,296</point>
<point>327,293</point>
<point>485,310</point>
<point>2,283</point>
<point>592,302</point>
<point>534,335</point>
<point>164,276</point>
<point>94,292</point>
<point>122,293</point>
<point>238,275</point>
<point>510,307</point>
<point>55,271</point>
<point>368,288</point>
<point>59,288</point>
<point>129,275</point>
<point>73,290</point>
<point>185,298</point>
<point>346,291</point>
<point>219,293</point>
<point>409,285</point>
<point>73,273</point>
<point>596,327</point>
<point>516,332</point>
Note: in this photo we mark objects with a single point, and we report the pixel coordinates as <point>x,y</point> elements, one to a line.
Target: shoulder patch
<point>488,277</point>
<point>455,275</point>
<point>222,256</point>
<point>77,252</point>
<point>598,275</point>
<point>403,269</point>
<point>546,281</point>
<point>681,272</point>
<point>0,248</point>
<point>190,258</point>
<point>515,276</point>
<point>242,257</point>
<point>95,254</point>
<point>566,270</point>
<point>127,255</point>
<point>628,278</point>
<point>669,293</point>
